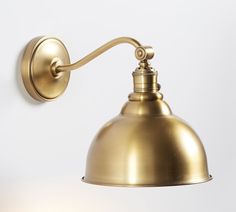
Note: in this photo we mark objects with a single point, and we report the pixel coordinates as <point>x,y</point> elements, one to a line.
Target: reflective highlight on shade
<point>132,168</point>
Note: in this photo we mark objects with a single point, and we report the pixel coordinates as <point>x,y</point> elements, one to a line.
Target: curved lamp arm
<point>142,53</point>
<point>46,66</point>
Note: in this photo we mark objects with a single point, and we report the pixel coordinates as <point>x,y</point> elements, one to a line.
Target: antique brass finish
<point>141,53</point>
<point>145,145</point>
<point>41,55</point>
<point>46,65</point>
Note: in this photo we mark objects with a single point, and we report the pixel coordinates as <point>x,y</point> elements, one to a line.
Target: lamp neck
<point>145,78</point>
<point>145,83</point>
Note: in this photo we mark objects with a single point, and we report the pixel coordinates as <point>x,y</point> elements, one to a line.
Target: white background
<point>43,147</point>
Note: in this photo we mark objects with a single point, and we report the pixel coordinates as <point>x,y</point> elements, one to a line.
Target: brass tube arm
<point>142,53</point>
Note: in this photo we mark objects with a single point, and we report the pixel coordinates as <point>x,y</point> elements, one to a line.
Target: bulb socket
<point>145,80</point>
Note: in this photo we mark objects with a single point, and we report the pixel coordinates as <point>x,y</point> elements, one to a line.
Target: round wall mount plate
<point>40,55</point>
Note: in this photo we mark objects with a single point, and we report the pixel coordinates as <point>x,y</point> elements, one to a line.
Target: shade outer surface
<point>146,145</point>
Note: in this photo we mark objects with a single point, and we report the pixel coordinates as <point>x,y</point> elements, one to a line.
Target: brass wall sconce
<point>145,145</point>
